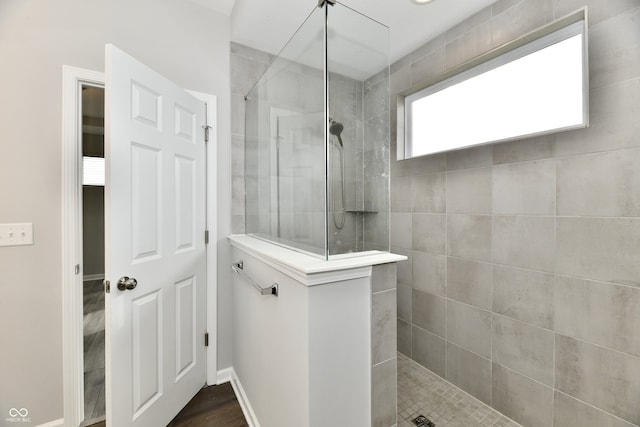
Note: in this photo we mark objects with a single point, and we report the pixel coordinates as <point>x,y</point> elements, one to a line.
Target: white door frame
<point>72,335</point>
<point>212,226</point>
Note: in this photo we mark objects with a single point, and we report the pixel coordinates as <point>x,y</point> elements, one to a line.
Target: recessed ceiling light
<point>421,1</point>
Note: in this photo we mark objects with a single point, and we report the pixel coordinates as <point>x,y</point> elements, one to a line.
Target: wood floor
<point>214,406</point>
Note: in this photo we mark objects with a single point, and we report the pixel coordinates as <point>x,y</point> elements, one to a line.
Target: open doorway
<point>93,304</point>
<point>75,345</point>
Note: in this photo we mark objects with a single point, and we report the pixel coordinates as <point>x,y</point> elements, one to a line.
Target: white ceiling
<point>268,24</point>
<point>222,6</point>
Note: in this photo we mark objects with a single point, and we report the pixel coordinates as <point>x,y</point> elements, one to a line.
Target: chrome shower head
<point>336,129</point>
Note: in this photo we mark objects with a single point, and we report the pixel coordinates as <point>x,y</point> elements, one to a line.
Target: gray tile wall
<point>362,107</point>
<point>384,349</point>
<point>523,280</point>
<point>247,65</point>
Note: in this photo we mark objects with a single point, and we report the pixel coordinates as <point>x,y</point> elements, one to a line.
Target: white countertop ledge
<point>308,269</point>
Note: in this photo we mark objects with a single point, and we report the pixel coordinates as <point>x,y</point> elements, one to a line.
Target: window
<point>535,85</point>
<point>93,171</point>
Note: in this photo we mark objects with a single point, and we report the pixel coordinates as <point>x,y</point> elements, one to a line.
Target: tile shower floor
<point>421,392</point>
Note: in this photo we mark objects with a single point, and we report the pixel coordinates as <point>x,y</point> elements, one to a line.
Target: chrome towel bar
<point>238,267</point>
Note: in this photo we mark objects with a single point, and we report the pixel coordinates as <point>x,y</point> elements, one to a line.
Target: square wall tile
<point>469,371</point>
<point>429,233</point>
<point>432,45</point>
<point>428,350</point>
<point>613,121</point>
<point>501,5</point>
<point>468,24</point>
<point>601,313</point>
<point>250,53</point>
<point>599,10</point>
<point>237,155</point>
<point>428,67</point>
<point>383,277</point>
<point>404,337</point>
<point>467,46</point>
<point>524,348</point>
<point>603,184</point>
<point>524,241</point>
<point>237,114</point>
<point>525,295</point>
<point>603,249</point>
<point>526,188</point>
<point>469,282</point>
<point>420,166</point>
<point>604,378</point>
<point>245,72</point>
<point>474,157</point>
<point>469,236</point>
<point>614,49</point>
<point>569,412</point>
<point>469,191</point>
<point>384,393</point>
<point>237,224</point>
<point>384,325</point>
<point>534,148</point>
<point>403,268</point>
<point>404,302</point>
<point>400,231</point>
<point>429,272</point>
<point>399,79</point>
<point>237,195</point>
<point>469,327</point>
<point>400,194</point>
<point>520,19</point>
<point>524,400</point>
<point>428,312</point>
<point>427,193</point>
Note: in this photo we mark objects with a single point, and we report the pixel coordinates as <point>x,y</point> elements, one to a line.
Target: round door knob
<point>127,283</point>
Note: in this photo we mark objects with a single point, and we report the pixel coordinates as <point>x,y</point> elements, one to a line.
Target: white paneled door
<point>155,248</point>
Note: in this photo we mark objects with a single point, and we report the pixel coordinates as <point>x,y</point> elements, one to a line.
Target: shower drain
<point>422,421</point>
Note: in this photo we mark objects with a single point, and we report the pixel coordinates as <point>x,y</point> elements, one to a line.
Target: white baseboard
<point>93,277</point>
<point>54,423</point>
<point>224,375</point>
<point>229,375</point>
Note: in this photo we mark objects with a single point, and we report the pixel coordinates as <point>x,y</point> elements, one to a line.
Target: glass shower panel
<point>285,182</point>
<point>317,138</point>
<point>358,137</point>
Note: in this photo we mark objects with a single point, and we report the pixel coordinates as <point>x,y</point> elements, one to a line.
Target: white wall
<point>185,42</point>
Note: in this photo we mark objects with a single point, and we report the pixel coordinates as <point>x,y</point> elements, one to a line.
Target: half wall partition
<point>317,138</point>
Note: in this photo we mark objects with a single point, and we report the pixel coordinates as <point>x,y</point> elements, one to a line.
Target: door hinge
<point>206,339</point>
<point>206,133</point>
<point>206,237</point>
<point>76,269</point>
<point>107,286</point>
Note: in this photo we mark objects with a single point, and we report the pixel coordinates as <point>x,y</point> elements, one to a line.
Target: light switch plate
<point>16,234</point>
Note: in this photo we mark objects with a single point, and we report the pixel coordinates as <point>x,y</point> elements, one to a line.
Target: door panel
<point>147,351</point>
<point>154,221</point>
<point>146,192</point>
<point>185,327</point>
<point>185,185</point>
<point>185,123</point>
<point>146,105</point>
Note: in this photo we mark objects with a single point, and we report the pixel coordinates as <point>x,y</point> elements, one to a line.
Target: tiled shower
<point>523,280</point>
<point>523,283</point>
<point>316,137</point>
